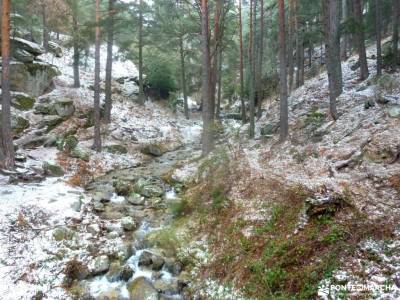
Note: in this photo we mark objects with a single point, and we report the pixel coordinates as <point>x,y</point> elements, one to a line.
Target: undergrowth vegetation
<point>273,258</point>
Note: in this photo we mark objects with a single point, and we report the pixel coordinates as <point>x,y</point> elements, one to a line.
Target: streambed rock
<point>128,224</point>
<point>148,188</point>
<point>100,264</point>
<point>142,289</point>
<point>152,261</point>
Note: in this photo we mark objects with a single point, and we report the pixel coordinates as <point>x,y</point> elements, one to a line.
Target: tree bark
<point>253,24</point>
<point>292,6</point>
<point>207,109</point>
<point>141,89</point>
<point>260,94</point>
<point>344,45</point>
<point>243,106</point>
<point>76,55</point>
<point>284,126</point>
<point>330,9</point>
<point>378,29</point>
<point>183,78</point>
<point>219,84</point>
<point>96,117</point>
<point>110,42</point>
<point>362,56</point>
<point>7,147</point>
<point>396,23</point>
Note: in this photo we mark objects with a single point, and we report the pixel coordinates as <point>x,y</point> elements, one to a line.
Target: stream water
<point>151,219</point>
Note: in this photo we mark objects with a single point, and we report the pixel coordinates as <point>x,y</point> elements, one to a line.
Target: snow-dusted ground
<point>31,261</point>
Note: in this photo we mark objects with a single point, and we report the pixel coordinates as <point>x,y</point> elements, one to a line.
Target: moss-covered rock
<point>154,149</point>
<point>32,78</point>
<point>50,121</point>
<point>63,233</point>
<point>22,101</point>
<point>52,169</point>
<point>64,107</point>
<point>122,187</point>
<point>80,153</point>
<point>18,123</point>
<point>68,144</point>
<point>116,149</point>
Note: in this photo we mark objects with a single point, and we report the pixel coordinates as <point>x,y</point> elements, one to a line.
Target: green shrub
<point>160,77</point>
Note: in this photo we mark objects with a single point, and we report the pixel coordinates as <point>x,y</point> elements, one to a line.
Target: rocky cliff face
<point>28,73</point>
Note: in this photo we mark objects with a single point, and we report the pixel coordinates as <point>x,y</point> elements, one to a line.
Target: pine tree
<point>378,30</point>
<point>243,106</point>
<point>96,117</point>
<point>141,85</point>
<point>360,39</point>
<point>7,147</point>
<point>207,107</point>
<point>330,10</point>
<point>110,42</point>
<point>284,126</point>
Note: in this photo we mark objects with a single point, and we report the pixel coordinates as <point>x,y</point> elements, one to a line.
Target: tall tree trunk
<point>75,38</point>
<point>217,45</point>
<point>243,106</point>
<point>207,109</point>
<point>45,29</point>
<point>396,23</point>
<point>298,52</point>
<point>292,6</point>
<point>253,23</point>
<point>301,81</point>
<point>330,9</point>
<point>219,84</point>
<point>362,56</point>
<point>260,94</point>
<point>7,147</point>
<point>110,42</point>
<point>141,89</point>
<point>378,29</point>
<point>284,123</point>
<point>183,78</point>
<point>96,117</point>
<point>344,45</point>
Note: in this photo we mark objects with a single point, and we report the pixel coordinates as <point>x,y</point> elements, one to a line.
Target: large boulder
<point>22,56</point>
<point>142,289</point>
<point>52,170</point>
<point>18,123</point>
<point>63,107</point>
<point>154,149</point>
<point>22,101</point>
<point>50,122</point>
<point>34,78</point>
<point>55,49</point>
<point>30,47</point>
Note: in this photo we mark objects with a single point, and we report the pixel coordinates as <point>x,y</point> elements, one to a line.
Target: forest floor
<point>257,219</point>
<point>316,215</point>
